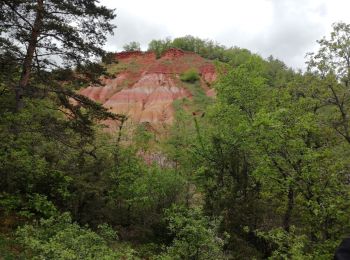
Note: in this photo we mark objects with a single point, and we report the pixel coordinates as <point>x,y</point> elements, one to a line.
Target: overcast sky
<point>286,29</point>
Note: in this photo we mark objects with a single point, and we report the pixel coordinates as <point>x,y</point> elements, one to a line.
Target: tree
<point>44,35</point>
<point>267,163</point>
<point>205,48</point>
<point>109,58</point>
<point>159,46</point>
<point>47,51</point>
<point>332,65</point>
<point>195,235</point>
<point>132,46</point>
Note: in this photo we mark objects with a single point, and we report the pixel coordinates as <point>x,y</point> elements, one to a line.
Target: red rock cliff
<point>144,87</point>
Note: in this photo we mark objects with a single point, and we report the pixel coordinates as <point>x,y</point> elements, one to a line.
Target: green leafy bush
<point>190,75</point>
<point>27,206</point>
<point>60,238</point>
<point>291,245</point>
<point>132,46</point>
<point>195,235</point>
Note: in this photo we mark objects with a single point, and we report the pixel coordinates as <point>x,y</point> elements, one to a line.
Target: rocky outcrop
<point>135,54</point>
<point>148,100</point>
<point>144,87</point>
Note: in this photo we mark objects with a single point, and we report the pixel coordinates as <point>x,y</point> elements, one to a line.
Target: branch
<point>15,11</point>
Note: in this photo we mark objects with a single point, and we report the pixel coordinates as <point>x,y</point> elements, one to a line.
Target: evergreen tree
<point>43,35</point>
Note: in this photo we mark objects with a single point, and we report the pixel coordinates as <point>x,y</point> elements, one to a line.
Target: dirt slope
<point>144,87</point>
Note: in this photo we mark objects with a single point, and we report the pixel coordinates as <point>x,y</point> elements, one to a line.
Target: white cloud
<point>287,29</point>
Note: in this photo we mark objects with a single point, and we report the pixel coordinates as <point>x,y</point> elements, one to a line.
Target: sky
<point>286,29</point>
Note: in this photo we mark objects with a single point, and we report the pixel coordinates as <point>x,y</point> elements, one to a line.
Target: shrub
<point>109,58</point>
<point>132,46</point>
<point>60,238</point>
<point>190,75</point>
<point>195,235</point>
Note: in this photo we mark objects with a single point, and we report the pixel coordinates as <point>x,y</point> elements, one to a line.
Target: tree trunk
<point>27,63</point>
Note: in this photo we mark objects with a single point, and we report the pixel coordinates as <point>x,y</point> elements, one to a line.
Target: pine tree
<point>42,35</point>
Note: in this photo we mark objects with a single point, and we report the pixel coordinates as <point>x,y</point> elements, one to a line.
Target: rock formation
<point>144,87</point>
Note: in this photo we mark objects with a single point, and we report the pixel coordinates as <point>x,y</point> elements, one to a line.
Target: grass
<point>167,62</point>
<point>116,68</point>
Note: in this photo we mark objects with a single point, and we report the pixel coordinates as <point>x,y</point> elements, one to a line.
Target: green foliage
<point>132,46</point>
<point>109,58</point>
<point>288,244</point>
<point>190,75</point>
<point>282,154</point>
<point>58,38</point>
<point>333,54</point>
<point>269,156</point>
<point>156,189</point>
<point>205,48</point>
<point>60,238</point>
<point>9,248</point>
<point>143,196</point>
<point>159,46</point>
<point>291,245</point>
<point>116,68</point>
<point>40,205</point>
<point>195,236</point>
<point>107,233</point>
<point>9,202</point>
<point>331,64</point>
<point>143,137</point>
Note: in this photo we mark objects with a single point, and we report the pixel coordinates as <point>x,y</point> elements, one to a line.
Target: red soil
<point>146,88</point>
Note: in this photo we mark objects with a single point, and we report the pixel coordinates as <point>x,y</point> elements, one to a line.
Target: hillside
<point>257,169</point>
<point>144,87</point>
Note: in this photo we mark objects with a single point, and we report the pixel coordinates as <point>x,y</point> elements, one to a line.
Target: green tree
<point>109,58</point>
<point>266,141</point>
<point>44,35</point>
<point>159,46</point>
<point>205,48</point>
<point>132,46</point>
<point>195,236</point>
<point>332,64</point>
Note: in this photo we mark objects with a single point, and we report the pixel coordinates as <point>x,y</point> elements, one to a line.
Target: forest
<point>258,172</point>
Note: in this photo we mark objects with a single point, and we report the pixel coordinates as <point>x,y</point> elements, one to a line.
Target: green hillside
<point>257,171</point>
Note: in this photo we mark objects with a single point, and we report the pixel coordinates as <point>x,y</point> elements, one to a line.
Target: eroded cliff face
<point>144,88</point>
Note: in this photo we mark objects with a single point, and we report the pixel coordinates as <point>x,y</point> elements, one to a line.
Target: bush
<point>190,75</point>
<point>60,238</point>
<point>291,245</point>
<point>132,46</point>
<point>109,58</point>
<point>195,235</point>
